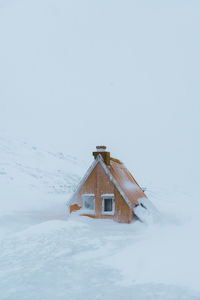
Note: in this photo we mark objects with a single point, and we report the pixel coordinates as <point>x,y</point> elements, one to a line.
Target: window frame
<point>85,209</point>
<point>108,196</point>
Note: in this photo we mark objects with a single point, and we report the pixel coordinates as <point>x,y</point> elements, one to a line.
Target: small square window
<point>108,204</point>
<point>89,203</point>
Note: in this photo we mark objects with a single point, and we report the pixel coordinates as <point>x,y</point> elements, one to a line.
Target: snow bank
<point>45,255</point>
<point>82,258</point>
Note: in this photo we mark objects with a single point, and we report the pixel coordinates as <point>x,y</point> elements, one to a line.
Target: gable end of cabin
<point>99,198</point>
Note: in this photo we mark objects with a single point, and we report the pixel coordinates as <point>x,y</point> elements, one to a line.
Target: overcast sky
<point>75,74</point>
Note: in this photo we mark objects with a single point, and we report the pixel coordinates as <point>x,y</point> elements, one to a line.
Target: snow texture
<point>130,186</point>
<point>46,255</point>
<point>146,211</point>
<point>32,176</point>
<point>76,74</point>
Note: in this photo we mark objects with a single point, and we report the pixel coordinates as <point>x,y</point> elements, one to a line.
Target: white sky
<point>75,74</point>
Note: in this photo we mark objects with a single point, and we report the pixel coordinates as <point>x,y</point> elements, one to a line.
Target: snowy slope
<point>46,255</point>
<point>34,181</point>
<point>74,74</point>
<point>28,170</point>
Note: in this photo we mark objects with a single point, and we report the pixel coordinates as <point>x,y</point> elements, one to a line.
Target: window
<point>89,203</point>
<point>108,204</point>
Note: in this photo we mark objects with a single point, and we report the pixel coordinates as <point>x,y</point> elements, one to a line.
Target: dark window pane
<point>108,204</point>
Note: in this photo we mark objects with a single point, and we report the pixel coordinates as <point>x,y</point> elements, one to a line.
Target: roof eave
<point>85,177</point>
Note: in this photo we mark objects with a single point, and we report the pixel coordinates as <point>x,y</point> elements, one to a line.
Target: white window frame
<point>108,196</point>
<point>86,210</point>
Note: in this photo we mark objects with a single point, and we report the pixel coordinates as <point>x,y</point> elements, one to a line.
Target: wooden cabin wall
<point>123,213</point>
<point>99,183</point>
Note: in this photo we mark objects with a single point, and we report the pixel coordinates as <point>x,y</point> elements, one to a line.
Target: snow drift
<point>46,255</point>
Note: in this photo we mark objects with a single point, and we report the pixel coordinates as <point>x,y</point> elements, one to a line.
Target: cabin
<point>108,191</point>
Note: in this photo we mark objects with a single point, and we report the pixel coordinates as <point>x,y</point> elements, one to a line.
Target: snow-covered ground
<point>76,74</point>
<point>46,255</point>
<point>32,176</point>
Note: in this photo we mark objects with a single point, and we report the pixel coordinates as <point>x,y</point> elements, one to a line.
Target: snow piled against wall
<point>46,255</point>
<point>81,258</point>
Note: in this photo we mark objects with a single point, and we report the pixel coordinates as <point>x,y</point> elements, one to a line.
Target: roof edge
<point>87,174</point>
<point>85,177</point>
<point>116,184</point>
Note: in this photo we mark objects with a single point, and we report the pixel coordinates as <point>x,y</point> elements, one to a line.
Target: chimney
<point>105,155</point>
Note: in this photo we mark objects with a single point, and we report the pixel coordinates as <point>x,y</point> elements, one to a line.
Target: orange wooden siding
<point>99,183</point>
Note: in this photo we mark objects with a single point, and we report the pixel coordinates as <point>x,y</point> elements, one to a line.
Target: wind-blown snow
<point>76,74</point>
<point>81,258</point>
<point>130,185</point>
<point>44,254</point>
<point>32,178</point>
<point>146,211</point>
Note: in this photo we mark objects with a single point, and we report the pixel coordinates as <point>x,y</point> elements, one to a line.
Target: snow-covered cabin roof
<point>126,181</point>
